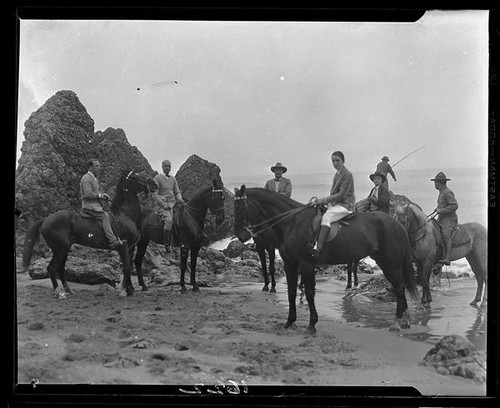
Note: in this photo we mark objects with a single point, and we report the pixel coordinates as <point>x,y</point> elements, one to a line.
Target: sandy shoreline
<point>164,337</point>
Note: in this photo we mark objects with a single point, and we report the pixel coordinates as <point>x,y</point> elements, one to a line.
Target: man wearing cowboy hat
<point>446,211</point>
<point>385,168</point>
<point>279,184</point>
<point>164,198</point>
<point>378,198</point>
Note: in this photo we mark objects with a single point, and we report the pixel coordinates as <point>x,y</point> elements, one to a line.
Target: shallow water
<point>450,311</point>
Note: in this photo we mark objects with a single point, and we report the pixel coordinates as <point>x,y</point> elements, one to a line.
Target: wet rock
<point>456,355</point>
<point>234,249</point>
<point>377,287</point>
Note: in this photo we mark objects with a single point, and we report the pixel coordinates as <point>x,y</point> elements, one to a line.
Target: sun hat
<point>385,158</point>
<point>278,166</point>
<point>378,174</point>
<point>440,177</point>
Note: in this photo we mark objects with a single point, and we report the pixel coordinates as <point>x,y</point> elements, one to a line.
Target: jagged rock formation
<point>59,141</point>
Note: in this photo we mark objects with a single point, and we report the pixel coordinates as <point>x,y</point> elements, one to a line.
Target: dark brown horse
<point>425,249</point>
<point>189,223</point>
<point>64,228</point>
<point>374,234</point>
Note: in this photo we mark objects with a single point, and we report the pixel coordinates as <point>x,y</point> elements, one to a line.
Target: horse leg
<point>479,269</point>
<point>349,276</point>
<point>194,256</point>
<point>127,289</point>
<point>291,279</point>
<point>307,272</point>
<point>426,270</point>
<point>54,268</point>
<point>184,256</point>
<point>62,267</point>
<point>393,273</point>
<point>272,269</point>
<point>301,287</point>
<point>355,272</point>
<point>263,263</point>
<point>139,256</point>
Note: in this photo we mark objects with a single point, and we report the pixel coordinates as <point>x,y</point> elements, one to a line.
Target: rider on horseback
<point>165,198</point>
<point>446,210</point>
<point>340,202</point>
<point>91,204</point>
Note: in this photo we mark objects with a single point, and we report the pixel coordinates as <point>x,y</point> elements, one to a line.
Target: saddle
<point>458,238</point>
<point>335,227</point>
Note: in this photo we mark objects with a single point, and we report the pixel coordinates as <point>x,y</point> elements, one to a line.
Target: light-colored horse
<point>425,249</point>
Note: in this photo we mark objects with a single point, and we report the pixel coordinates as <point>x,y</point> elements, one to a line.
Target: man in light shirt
<point>91,202</point>
<point>279,184</point>
<point>164,199</point>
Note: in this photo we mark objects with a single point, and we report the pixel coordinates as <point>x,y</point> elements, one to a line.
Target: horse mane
<point>419,214</point>
<point>272,196</point>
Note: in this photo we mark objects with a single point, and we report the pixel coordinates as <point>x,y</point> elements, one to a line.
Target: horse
<point>425,249</point>
<point>63,228</point>
<point>374,234</point>
<point>189,222</point>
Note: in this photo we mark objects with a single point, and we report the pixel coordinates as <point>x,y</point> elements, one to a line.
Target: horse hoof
<point>183,289</point>
<point>144,288</point>
<point>265,289</point>
<point>196,288</point>
<point>475,302</point>
<point>288,325</point>
<point>273,290</point>
<point>311,330</point>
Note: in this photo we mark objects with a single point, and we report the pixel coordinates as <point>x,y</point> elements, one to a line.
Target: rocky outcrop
<point>59,141</point>
<point>455,355</point>
<point>197,174</point>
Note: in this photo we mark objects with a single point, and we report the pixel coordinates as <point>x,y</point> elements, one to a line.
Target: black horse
<point>64,228</point>
<point>189,223</point>
<point>374,234</point>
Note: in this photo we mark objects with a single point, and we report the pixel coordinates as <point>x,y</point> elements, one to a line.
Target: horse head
<point>241,228</point>
<point>138,182</point>
<point>216,202</point>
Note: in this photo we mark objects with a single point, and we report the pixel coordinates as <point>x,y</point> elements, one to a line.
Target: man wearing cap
<point>385,168</point>
<point>91,196</point>
<point>164,198</point>
<point>279,184</point>
<point>446,211</point>
<point>378,198</point>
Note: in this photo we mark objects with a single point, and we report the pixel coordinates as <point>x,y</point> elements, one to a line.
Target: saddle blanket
<point>458,238</point>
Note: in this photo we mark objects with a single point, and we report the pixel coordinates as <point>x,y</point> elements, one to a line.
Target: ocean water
<point>470,186</point>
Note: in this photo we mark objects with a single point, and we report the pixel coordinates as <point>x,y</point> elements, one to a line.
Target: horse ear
<point>236,190</point>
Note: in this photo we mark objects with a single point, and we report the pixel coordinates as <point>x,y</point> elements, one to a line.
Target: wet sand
<point>223,333</point>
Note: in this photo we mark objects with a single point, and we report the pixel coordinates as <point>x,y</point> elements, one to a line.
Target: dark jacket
<point>382,201</point>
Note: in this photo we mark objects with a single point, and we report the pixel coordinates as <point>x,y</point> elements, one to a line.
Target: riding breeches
<point>447,226</point>
<point>103,216</point>
<point>334,213</point>
<point>167,218</point>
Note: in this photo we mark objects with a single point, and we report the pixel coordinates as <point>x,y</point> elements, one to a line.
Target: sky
<point>245,95</point>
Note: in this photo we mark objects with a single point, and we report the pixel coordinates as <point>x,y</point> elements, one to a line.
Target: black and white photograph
<point>212,205</point>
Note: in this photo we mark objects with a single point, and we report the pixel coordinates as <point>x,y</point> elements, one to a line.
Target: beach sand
<point>219,334</point>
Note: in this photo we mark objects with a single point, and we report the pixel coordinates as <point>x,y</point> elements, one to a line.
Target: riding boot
<point>167,240</point>
<point>113,240</point>
<point>446,257</point>
<point>323,235</point>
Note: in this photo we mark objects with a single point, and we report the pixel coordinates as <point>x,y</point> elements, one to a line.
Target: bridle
<point>255,229</point>
<point>127,177</point>
<point>419,227</point>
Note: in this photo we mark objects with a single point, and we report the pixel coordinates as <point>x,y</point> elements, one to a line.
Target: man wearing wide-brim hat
<point>446,211</point>
<point>279,184</point>
<point>378,198</point>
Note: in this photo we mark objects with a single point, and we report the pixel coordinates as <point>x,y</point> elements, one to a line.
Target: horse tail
<point>409,278</point>
<point>31,238</point>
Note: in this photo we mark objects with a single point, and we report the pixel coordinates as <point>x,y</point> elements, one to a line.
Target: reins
<point>260,227</point>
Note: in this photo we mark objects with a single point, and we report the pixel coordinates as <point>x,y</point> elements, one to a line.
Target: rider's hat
<point>278,166</point>
<point>378,174</point>
<point>440,177</point>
